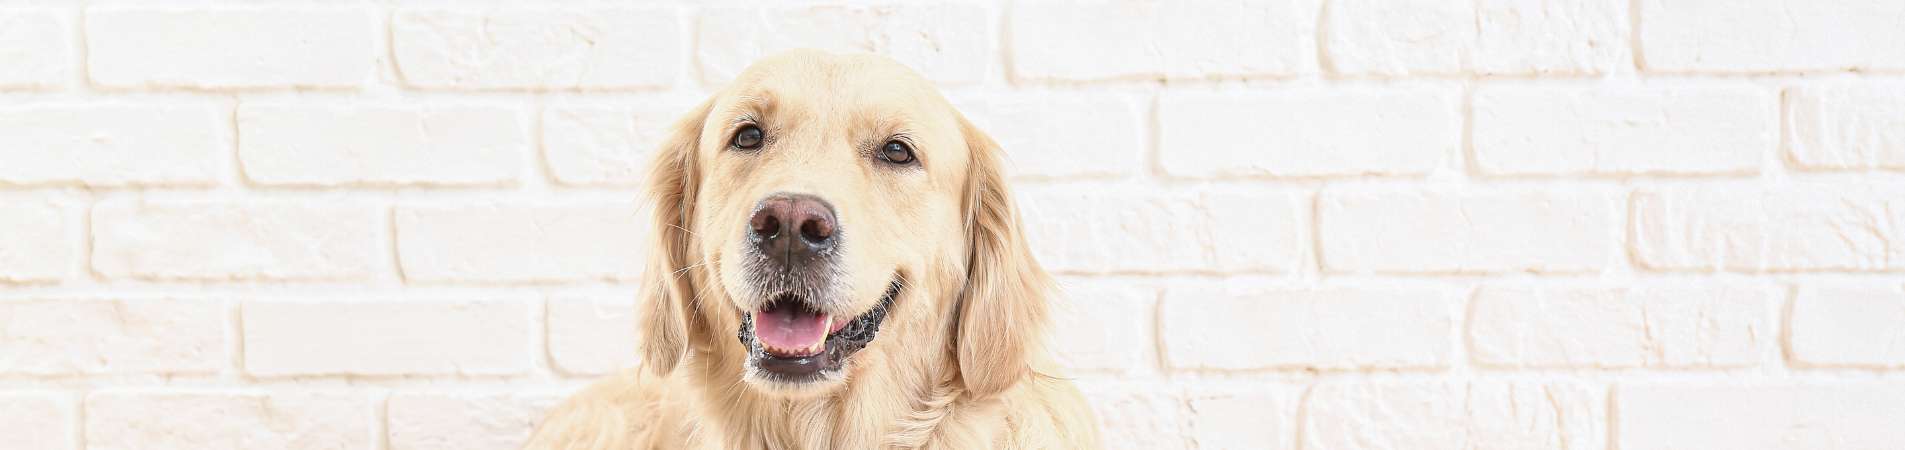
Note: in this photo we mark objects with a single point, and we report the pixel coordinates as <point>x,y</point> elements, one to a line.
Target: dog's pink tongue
<point>791,331</point>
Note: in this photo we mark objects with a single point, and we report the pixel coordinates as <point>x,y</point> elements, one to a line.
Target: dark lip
<point>841,345</point>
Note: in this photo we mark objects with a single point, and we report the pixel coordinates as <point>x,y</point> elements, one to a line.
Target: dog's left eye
<point>897,152</point>
<point>747,138</point>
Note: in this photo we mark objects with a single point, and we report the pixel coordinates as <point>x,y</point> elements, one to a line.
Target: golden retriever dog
<point>837,265</point>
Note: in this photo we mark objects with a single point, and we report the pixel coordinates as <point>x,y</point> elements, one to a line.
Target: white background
<point>1318,224</point>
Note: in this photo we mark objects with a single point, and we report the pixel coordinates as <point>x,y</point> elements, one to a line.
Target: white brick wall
<point>1280,224</point>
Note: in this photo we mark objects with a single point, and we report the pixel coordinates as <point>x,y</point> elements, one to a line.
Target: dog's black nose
<point>792,229</point>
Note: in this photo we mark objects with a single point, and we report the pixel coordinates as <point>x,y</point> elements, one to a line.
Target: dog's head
<point>823,209</point>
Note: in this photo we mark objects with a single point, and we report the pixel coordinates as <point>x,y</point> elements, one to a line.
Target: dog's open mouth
<point>792,341</point>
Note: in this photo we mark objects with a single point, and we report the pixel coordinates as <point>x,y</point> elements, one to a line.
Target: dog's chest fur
<point>881,411</point>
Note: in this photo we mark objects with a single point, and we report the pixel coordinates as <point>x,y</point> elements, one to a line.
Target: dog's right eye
<point>747,138</point>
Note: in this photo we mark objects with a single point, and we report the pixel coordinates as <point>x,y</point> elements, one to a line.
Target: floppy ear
<point>667,288</point>
<point>1003,304</point>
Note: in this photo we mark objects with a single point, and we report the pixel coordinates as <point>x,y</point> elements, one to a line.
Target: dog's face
<point>828,184</point>
<point>809,198</point>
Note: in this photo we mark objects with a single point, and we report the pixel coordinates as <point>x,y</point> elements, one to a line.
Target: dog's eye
<point>896,152</point>
<point>747,138</point>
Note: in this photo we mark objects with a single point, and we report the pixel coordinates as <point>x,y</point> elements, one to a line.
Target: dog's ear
<point>1002,308</point>
<point>667,290</point>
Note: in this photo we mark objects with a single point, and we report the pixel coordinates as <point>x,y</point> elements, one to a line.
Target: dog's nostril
<point>816,229</point>
<point>766,225</point>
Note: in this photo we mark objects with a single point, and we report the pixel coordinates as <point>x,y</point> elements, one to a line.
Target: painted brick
<point>35,49</point>
<point>211,241</point>
<point>525,48</point>
<point>1492,37</point>
<point>40,242</point>
<point>350,145</point>
<point>1445,232</point>
<point>1456,415</point>
<point>1716,129</point>
<point>1770,36</point>
<point>1846,126</point>
<point>1255,418</point>
<point>1104,327</point>
<point>113,144</point>
<point>1212,416</point>
<point>236,47</point>
<point>65,337</point>
<point>592,333</point>
<point>1051,40</point>
<point>309,337</point>
<point>35,420</point>
<point>420,421</point>
<point>522,243</point>
<point>1146,231</point>
<point>1054,135</point>
<point>1243,329</point>
<point>1848,326</point>
<point>1139,417</point>
<point>1395,38</point>
<point>1796,228</point>
<point>598,145</point>
<point>1677,326</point>
<point>1663,417</point>
<point>947,43</point>
<point>167,420</point>
<point>1556,37</point>
<point>1300,133</point>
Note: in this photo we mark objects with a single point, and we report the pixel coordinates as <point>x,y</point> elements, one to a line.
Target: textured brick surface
<point>113,144</point>
<point>1623,131</point>
<point>35,52</point>
<point>420,421</point>
<point>526,48</point>
<point>520,242</point>
<point>1673,416</point>
<point>1846,126</point>
<point>254,240</point>
<point>945,42</point>
<point>332,145</point>
<point>58,337</point>
<point>1438,232</point>
<point>1562,37</point>
<point>1796,228</point>
<point>1849,326</point>
<point>206,420</point>
<point>1478,414</point>
<point>40,242</point>
<point>1057,136</point>
<point>1319,133</point>
<point>592,333</point>
<point>1277,224</point>
<point>1152,232</point>
<point>380,337</point>
<point>1052,40</point>
<point>1105,327</point>
<point>36,421</point>
<point>1639,326</point>
<point>1771,36</point>
<point>1211,328</point>
<point>606,145</point>
<point>231,47</point>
